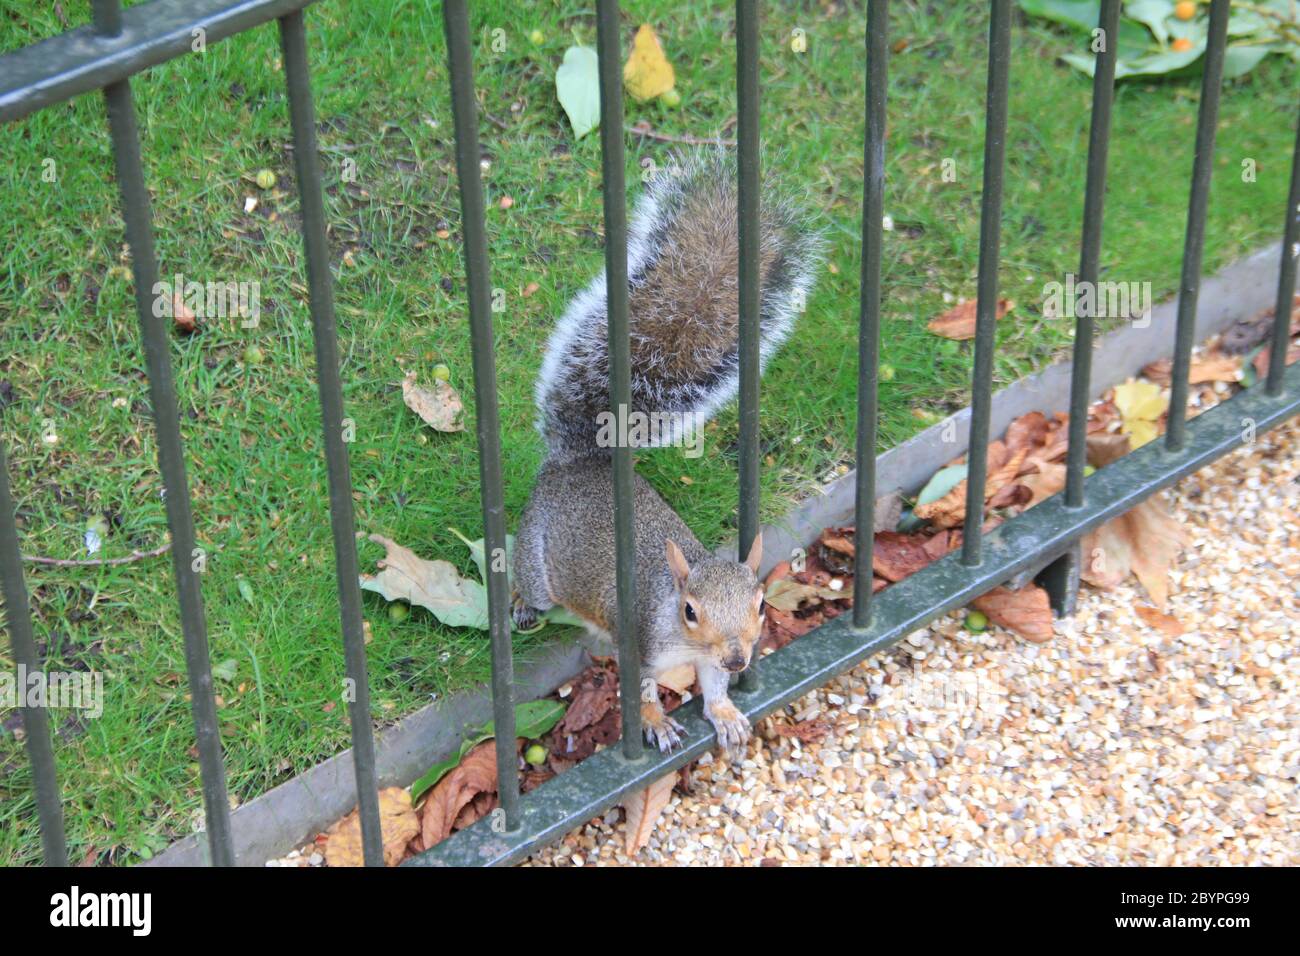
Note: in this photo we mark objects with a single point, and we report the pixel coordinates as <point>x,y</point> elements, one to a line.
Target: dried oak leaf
<point>1026,611</point>
<point>595,694</point>
<point>475,774</point>
<point>593,719</point>
<point>438,406</point>
<point>644,809</point>
<point>397,823</point>
<point>1145,541</point>
<point>958,323</point>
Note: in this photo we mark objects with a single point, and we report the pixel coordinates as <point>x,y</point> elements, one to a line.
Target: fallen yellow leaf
<point>1140,406</point>
<point>647,73</point>
<point>397,823</point>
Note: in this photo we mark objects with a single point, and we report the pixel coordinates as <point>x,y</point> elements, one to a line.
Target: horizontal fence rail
<point>119,44</point>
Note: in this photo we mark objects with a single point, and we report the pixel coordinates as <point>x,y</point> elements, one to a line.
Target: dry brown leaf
<point>806,731</point>
<point>950,510</point>
<point>1215,368</point>
<point>678,680</point>
<point>1028,431</point>
<point>1026,611</point>
<point>397,823</point>
<point>1261,360</point>
<point>1105,447</point>
<point>1014,495</point>
<point>1165,623</point>
<point>958,323</point>
<point>1145,541</point>
<point>182,317</point>
<point>895,555</point>
<point>436,585</point>
<point>475,774</point>
<point>438,406</point>
<point>1049,480</point>
<point>644,809</point>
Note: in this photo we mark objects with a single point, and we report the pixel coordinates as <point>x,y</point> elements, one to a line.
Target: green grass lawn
<point>70,353</point>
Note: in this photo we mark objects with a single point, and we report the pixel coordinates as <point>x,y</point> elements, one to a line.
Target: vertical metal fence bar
<point>1286,280</point>
<point>1194,243</point>
<point>36,725</point>
<point>107,17</point>
<point>609,50</point>
<point>747,202</point>
<point>1103,94</point>
<point>873,209</point>
<point>302,115</point>
<point>465,115</point>
<point>171,459</point>
<point>995,134</point>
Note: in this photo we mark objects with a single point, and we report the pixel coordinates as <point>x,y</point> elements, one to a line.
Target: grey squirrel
<point>683,280</point>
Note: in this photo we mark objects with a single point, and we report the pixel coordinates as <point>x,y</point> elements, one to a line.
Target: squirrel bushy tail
<point>683,280</point>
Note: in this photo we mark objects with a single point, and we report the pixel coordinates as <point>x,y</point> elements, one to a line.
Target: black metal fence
<point>120,44</point>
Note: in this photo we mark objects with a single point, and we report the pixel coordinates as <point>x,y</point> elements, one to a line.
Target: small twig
<point>92,562</point>
<point>688,140</point>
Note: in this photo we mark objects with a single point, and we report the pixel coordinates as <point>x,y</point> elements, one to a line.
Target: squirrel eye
<point>690,613</point>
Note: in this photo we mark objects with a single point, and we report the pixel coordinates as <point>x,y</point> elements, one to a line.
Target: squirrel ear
<point>755,553</point>
<point>677,564</point>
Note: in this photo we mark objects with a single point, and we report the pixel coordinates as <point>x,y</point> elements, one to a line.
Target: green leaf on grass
<point>435,585</point>
<point>1083,14</point>
<point>1152,13</point>
<point>577,83</point>
<point>225,670</point>
<point>1240,60</point>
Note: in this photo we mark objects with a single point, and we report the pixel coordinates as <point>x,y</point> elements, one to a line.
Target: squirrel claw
<point>524,617</point>
<point>732,727</point>
<point>665,734</point>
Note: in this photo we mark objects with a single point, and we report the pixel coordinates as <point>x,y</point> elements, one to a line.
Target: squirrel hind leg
<point>524,615</point>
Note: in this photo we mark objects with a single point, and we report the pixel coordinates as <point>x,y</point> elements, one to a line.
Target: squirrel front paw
<point>660,730</point>
<point>732,726</point>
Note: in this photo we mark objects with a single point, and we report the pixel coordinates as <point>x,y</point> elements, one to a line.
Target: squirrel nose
<point>734,663</point>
